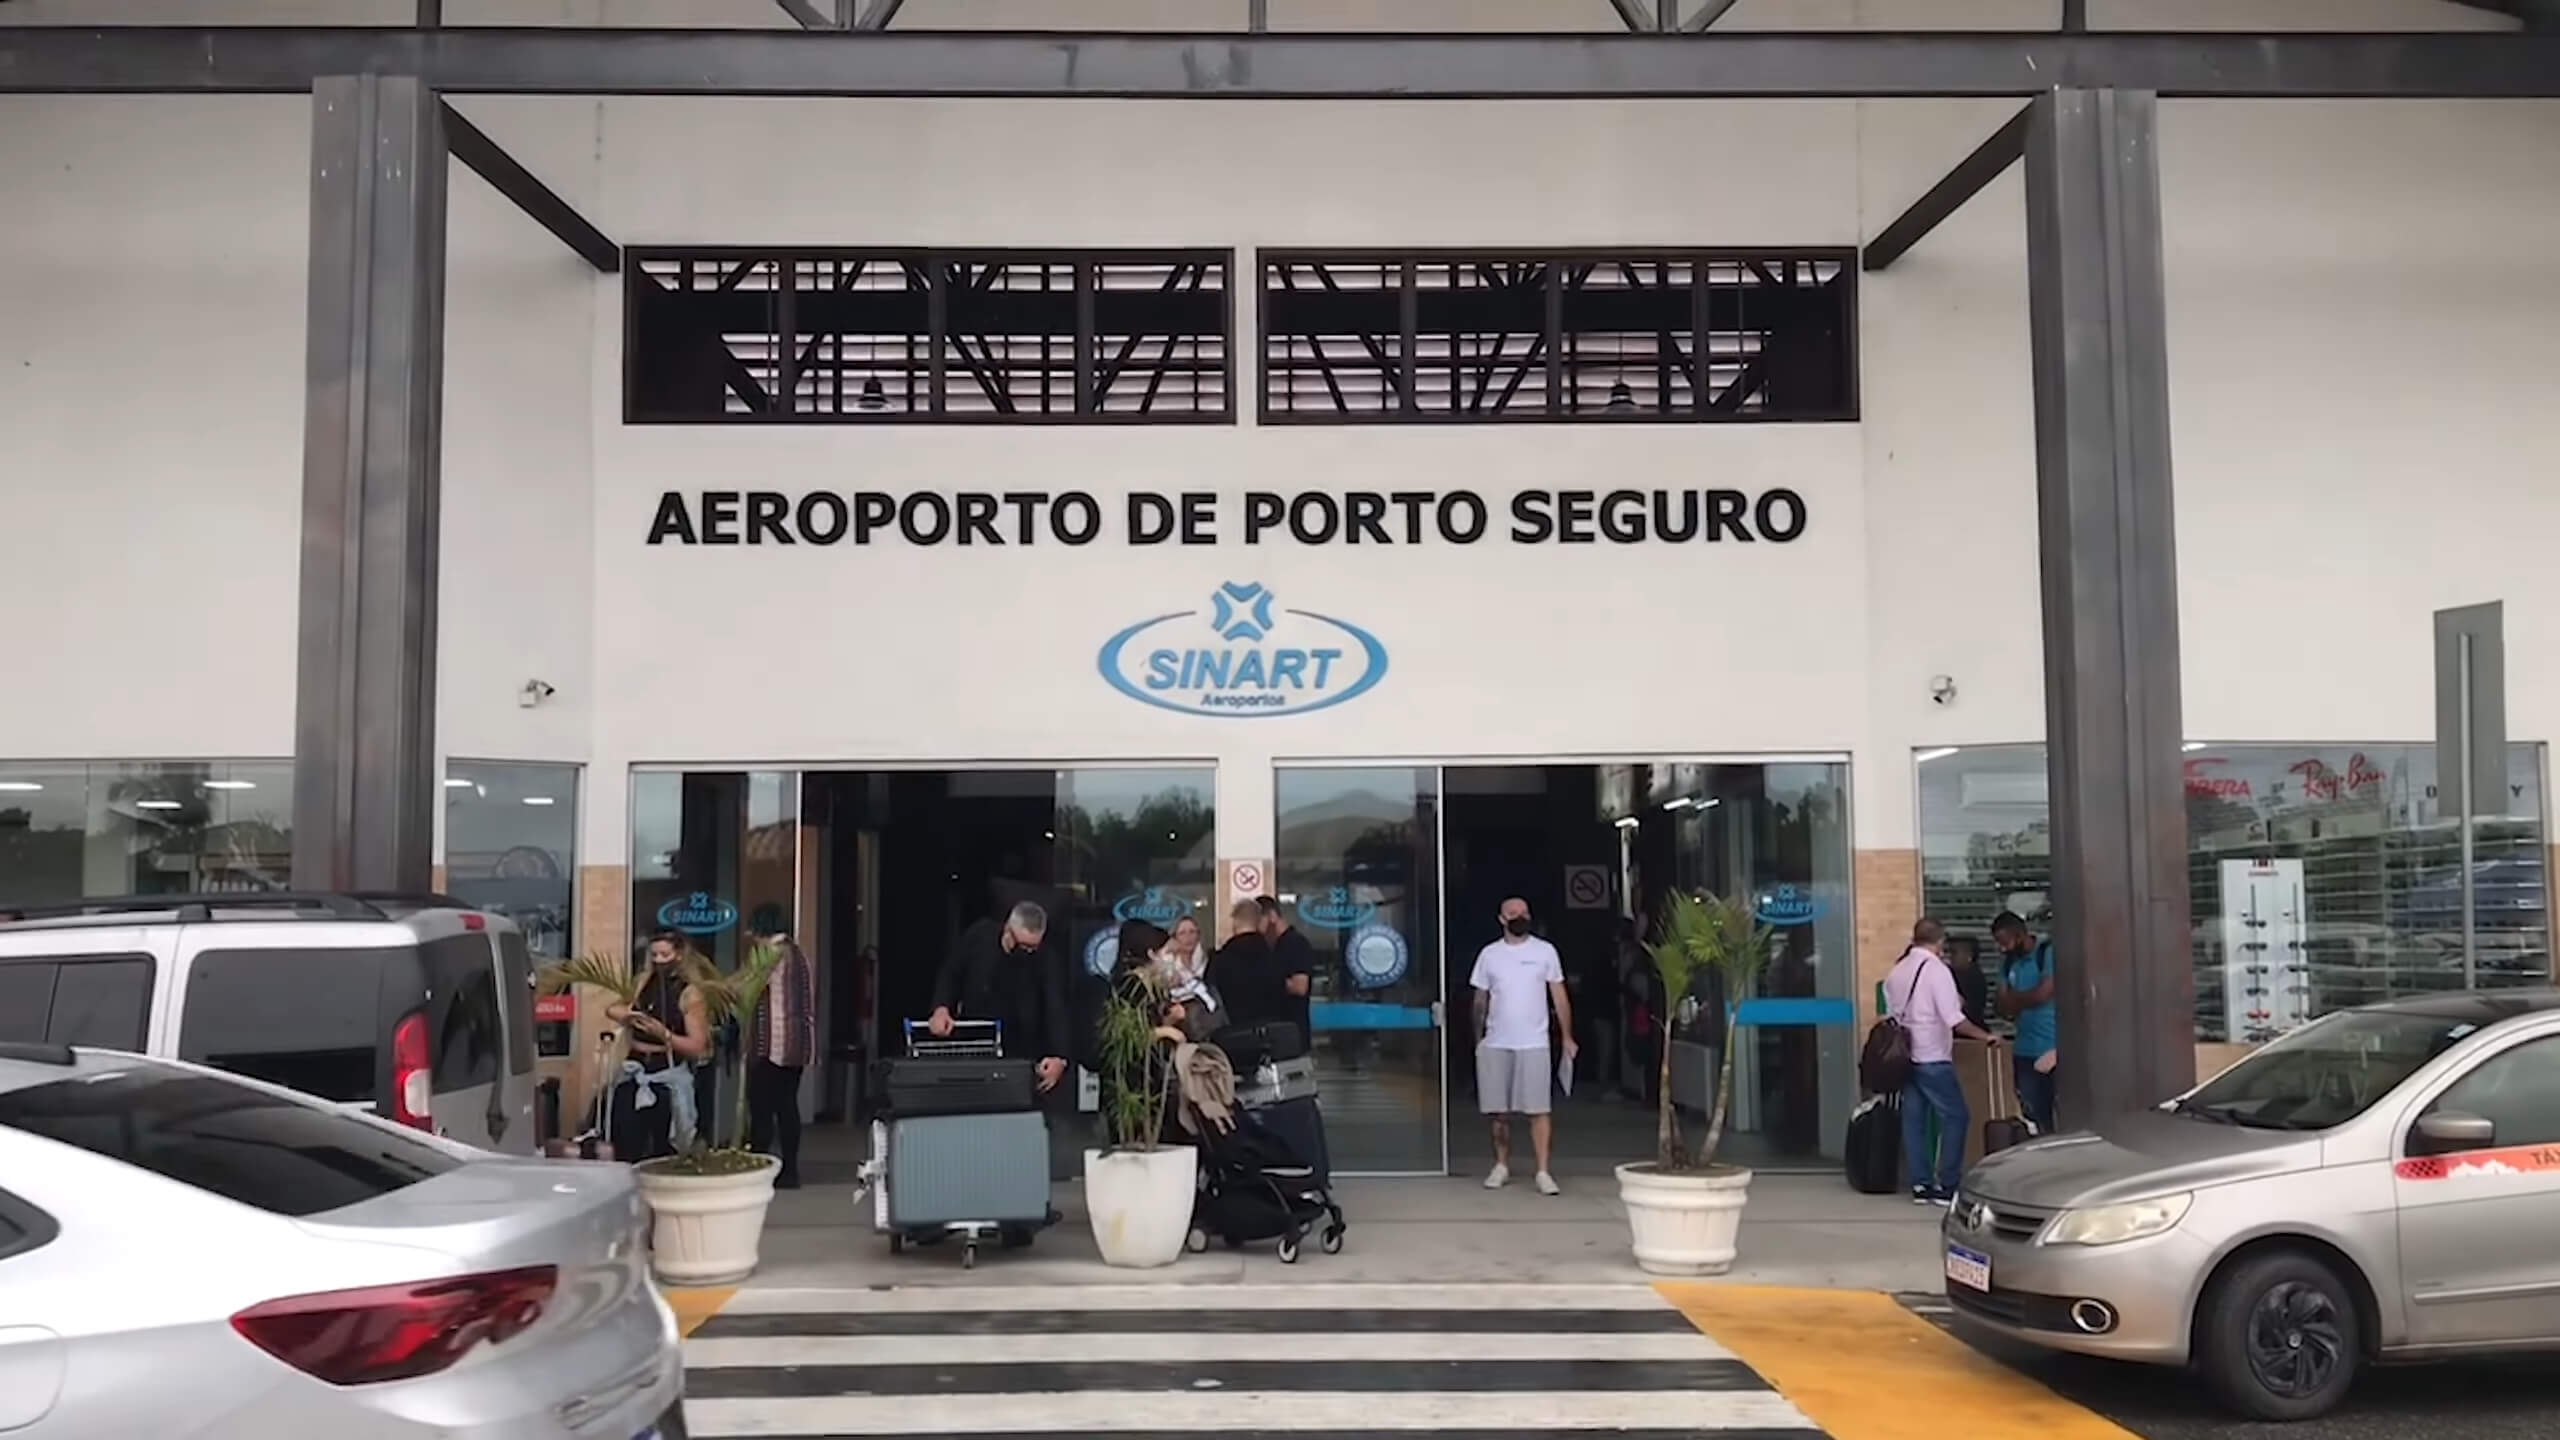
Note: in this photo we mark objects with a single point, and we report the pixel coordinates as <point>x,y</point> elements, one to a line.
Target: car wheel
<point>2279,1338</point>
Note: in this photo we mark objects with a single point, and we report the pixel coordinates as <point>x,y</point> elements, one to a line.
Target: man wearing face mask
<point>1517,980</point>
<point>1001,971</point>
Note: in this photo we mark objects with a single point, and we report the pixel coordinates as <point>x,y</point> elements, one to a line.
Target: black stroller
<point>1254,1187</point>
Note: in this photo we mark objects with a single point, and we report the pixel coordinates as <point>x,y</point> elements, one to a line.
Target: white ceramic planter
<point>1684,1224</point>
<point>1140,1203</point>
<point>707,1229</point>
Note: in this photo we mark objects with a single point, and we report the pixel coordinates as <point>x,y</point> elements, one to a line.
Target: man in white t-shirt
<point>1517,978</point>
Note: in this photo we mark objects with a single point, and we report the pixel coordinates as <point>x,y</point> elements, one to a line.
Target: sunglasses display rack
<point>2266,974</point>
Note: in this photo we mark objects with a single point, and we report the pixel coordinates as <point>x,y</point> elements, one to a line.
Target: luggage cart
<point>962,1151</point>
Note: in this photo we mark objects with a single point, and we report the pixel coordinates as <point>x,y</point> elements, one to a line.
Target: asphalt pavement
<point>2505,1399</point>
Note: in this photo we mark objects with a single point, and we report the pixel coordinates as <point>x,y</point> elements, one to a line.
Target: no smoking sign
<point>1586,887</point>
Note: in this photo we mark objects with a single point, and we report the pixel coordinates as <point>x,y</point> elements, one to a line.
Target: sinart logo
<point>1337,909</point>
<point>698,914</point>
<point>1253,659</point>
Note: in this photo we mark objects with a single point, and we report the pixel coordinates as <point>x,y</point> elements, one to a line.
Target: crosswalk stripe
<point>1256,1321</point>
<point>1671,1412</point>
<point>1171,1372</point>
<point>1204,1296</point>
<point>726,1351</point>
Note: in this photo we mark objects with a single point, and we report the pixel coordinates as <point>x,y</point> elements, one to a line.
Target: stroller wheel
<point>1332,1240</point>
<point>969,1256</point>
<point>1288,1249</point>
<point>1197,1242</point>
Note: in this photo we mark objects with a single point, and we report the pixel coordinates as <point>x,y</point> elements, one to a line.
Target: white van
<point>417,1008</point>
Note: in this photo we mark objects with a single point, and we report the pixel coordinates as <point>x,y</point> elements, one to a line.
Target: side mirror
<point>2447,1131</point>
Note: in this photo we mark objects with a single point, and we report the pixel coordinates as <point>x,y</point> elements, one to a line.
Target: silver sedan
<point>185,1252</point>
<point>2382,1184</point>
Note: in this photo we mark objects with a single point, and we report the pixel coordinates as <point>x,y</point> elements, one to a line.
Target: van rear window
<point>309,1020</point>
<point>284,1156</point>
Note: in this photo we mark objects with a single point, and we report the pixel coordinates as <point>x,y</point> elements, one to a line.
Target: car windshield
<point>2327,1072</point>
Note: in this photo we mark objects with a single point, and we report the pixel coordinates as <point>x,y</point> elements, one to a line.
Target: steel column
<point>2097,321</point>
<point>364,745</point>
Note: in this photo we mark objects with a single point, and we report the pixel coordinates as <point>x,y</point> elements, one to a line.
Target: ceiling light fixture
<point>1941,753</point>
<point>453,782</point>
<point>2192,746</point>
<point>537,800</point>
<point>231,784</point>
<point>20,787</point>
<point>1628,822</point>
<point>156,805</point>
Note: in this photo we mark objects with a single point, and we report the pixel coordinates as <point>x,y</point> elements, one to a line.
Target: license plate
<point>1969,1268</point>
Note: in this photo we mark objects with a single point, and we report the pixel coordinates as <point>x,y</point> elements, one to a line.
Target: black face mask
<point>1517,925</point>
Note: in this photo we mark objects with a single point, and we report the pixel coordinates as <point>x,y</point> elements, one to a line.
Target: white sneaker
<point>1500,1177</point>
<point>1547,1184</point>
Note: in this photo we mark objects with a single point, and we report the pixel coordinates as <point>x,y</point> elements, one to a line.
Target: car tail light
<point>474,921</point>
<point>412,1079</point>
<point>397,1332</point>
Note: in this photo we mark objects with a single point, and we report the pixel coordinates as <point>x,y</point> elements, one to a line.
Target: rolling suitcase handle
<point>967,1038</point>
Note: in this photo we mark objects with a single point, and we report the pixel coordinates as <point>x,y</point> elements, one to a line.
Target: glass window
<point>76,830</point>
<point>511,845</point>
<point>462,1013</point>
<point>104,1002</point>
<point>26,999</point>
<point>2322,876</point>
<point>311,1020</point>
<point>23,1227</point>
<point>713,852</point>
<point>516,977</point>
<point>1136,845</point>
<point>1358,875</point>
<point>2518,1091</point>
<point>281,1155</point>
<point>2326,1073</point>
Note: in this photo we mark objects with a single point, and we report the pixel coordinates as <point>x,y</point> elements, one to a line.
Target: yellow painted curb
<point>1863,1368</point>
<point>692,1307</point>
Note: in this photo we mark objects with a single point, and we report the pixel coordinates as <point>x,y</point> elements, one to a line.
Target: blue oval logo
<point>1102,952</point>
<point>698,914</point>
<point>1254,660</point>
<point>1377,957</point>
<point>1787,905</point>
<point>1153,906</point>
<point>1336,910</point>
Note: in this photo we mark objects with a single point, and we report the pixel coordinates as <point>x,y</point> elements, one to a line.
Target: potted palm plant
<point>1138,1191</point>
<point>1683,1208</point>
<point>707,1204</point>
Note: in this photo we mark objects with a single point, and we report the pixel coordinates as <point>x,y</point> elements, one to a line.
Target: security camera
<point>1942,689</point>
<point>534,693</point>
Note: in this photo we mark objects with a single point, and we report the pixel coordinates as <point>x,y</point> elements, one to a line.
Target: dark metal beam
<point>364,763</point>
<point>274,59</point>
<point>878,16</point>
<point>482,156</point>
<point>1971,175</point>
<point>2098,339</point>
<point>1709,12</point>
<point>2075,16</point>
<point>1633,15</point>
<point>807,16</point>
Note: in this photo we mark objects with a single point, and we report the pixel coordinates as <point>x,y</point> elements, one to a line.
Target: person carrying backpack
<point>2026,996</point>
<point>1926,1013</point>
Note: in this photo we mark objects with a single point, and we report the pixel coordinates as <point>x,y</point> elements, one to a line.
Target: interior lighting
<point>2192,746</point>
<point>20,787</point>
<point>231,784</point>
<point>1628,822</point>
<point>156,805</point>
<point>1941,753</point>
<point>456,783</point>
<point>537,800</point>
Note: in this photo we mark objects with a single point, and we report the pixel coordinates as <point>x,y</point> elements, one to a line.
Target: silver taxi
<point>2382,1184</point>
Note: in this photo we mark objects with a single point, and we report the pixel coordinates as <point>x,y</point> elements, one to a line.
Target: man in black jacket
<point>1001,971</point>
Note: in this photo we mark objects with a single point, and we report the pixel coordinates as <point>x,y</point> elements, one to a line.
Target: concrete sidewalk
<point>1800,1230</point>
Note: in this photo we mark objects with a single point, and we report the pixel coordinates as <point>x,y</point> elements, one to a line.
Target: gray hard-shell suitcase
<point>963,1169</point>
<point>1276,1081</point>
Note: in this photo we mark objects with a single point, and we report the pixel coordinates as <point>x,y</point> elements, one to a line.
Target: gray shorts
<point>1512,1082</point>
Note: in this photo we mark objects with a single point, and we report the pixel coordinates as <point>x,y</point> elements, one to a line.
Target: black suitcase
<point>1249,1047</point>
<point>1300,1125</point>
<point>1872,1154</point>
<point>1999,1135</point>
<point>955,1085</point>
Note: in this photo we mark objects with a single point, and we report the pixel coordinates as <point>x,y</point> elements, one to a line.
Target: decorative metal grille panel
<point>826,336</point>
<point>1652,335</point>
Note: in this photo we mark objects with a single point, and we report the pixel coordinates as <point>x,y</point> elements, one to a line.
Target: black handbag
<point>1884,1064</point>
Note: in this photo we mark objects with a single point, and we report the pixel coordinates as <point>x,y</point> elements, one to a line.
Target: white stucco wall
<point>2364,311</point>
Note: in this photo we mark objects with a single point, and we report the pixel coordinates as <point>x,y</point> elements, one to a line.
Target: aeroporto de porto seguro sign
<point>1241,653</point>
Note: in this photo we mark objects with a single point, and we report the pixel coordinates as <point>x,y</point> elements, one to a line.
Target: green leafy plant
<point>1720,937</point>
<point>595,970</point>
<point>1138,1078</point>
